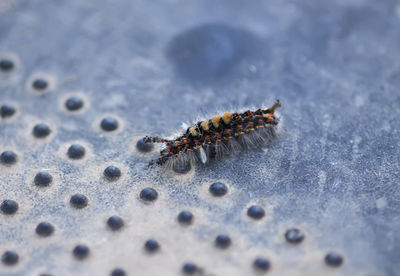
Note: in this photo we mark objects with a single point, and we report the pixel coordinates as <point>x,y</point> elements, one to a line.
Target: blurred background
<point>82,81</point>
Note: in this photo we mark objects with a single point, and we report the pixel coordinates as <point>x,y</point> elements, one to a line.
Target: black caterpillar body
<point>219,136</point>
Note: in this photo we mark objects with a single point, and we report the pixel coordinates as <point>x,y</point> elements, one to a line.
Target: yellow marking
<point>215,121</point>
<point>205,125</point>
<point>226,117</point>
<point>193,131</point>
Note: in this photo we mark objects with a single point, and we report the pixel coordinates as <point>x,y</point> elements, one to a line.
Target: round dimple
<point>148,194</point>
<point>151,245</point>
<point>81,251</point>
<point>8,157</point>
<point>79,201</point>
<point>261,264</point>
<point>43,179</point>
<point>9,207</point>
<point>41,130</point>
<point>76,151</point>
<point>185,217</point>
<point>207,53</point>
<point>333,259</point>
<point>181,166</point>
<point>40,84</point>
<point>118,272</point>
<point>115,223</point>
<point>44,229</point>
<point>294,236</point>
<point>109,124</point>
<point>143,146</point>
<point>223,241</point>
<point>9,257</point>
<point>112,173</point>
<point>74,103</point>
<point>256,212</point>
<point>189,268</point>
<point>218,189</point>
<point>7,111</point>
<point>6,65</point>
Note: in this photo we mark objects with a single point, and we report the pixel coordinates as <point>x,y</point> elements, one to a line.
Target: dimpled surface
<point>333,172</point>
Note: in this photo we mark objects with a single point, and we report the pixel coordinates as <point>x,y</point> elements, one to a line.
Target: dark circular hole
<point>223,241</point>
<point>218,189</point>
<point>118,272</point>
<point>181,166</point>
<point>189,268</point>
<point>43,179</point>
<point>41,130</point>
<point>333,259</point>
<point>294,236</point>
<point>151,245</point>
<point>256,212</point>
<point>6,64</point>
<point>81,251</point>
<point>148,194</point>
<point>112,173</point>
<point>74,103</point>
<point>40,84</point>
<point>109,124</point>
<point>44,229</point>
<point>262,264</point>
<point>79,201</point>
<point>185,217</point>
<point>7,111</point>
<point>8,157</point>
<point>143,146</point>
<point>76,151</point>
<point>9,207</point>
<point>115,223</point>
<point>9,257</point>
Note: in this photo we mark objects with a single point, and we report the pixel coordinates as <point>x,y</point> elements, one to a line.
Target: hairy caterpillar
<point>219,136</point>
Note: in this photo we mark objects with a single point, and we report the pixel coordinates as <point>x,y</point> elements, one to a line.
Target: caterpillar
<point>218,136</point>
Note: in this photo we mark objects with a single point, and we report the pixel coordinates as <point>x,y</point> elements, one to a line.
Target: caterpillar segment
<point>219,136</point>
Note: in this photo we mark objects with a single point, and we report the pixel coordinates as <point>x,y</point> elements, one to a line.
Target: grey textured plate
<point>149,66</point>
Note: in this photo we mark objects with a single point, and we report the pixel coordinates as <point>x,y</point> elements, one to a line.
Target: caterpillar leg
<point>153,139</point>
<point>234,146</point>
<point>160,161</point>
<point>221,150</point>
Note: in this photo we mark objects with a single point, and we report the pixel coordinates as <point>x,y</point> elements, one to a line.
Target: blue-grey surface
<point>333,172</point>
